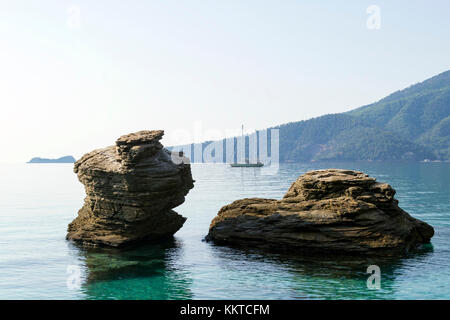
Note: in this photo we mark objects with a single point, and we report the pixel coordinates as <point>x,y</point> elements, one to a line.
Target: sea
<point>37,262</point>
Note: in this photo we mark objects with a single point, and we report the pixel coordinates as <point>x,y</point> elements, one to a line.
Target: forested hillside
<point>410,124</point>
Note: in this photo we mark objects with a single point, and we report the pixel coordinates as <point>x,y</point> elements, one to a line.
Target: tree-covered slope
<point>344,137</point>
<point>411,112</point>
<point>438,138</point>
<point>410,124</point>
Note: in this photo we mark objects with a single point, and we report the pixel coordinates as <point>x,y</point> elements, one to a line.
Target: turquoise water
<point>36,262</point>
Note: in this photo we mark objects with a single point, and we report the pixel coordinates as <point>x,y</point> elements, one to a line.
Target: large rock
<point>131,188</point>
<point>330,210</point>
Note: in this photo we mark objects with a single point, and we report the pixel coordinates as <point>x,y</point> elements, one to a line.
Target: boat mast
<point>245,160</point>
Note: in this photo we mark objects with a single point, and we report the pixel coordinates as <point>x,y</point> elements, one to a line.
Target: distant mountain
<point>419,114</point>
<point>410,124</point>
<point>66,159</point>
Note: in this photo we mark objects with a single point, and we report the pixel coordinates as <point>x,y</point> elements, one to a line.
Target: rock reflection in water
<point>147,271</point>
<point>317,276</point>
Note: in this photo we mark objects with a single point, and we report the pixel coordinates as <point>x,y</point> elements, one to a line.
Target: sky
<point>76,75</point>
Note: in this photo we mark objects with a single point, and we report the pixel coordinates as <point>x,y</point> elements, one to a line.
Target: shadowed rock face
<point>332,210</point>
<point>131,188</point>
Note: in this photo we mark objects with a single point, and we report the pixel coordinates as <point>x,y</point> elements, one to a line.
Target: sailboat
<point>246,162</point>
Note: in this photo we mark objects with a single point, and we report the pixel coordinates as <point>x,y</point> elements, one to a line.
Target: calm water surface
<point>36,262</point>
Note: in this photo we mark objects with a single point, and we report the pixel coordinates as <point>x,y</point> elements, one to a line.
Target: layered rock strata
<point>332,210</point>
<point>131,188</point>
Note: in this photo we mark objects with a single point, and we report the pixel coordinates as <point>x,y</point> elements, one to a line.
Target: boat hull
<point>246,165</point>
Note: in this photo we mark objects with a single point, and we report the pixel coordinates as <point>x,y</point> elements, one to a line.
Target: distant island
<point>66,159</point>
<point>410,124</point>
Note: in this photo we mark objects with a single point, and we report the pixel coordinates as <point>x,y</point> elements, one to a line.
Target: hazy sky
<point>75,75</point>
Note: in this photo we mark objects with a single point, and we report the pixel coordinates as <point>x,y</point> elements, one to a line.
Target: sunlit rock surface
<point>330,210</point>
<point>131,188</point>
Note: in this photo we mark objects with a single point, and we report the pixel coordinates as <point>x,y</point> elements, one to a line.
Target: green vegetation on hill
<point>411,124</point>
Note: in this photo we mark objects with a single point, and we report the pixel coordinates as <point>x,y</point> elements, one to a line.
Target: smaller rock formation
<point>332,210</point>
<point>131,189</point>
